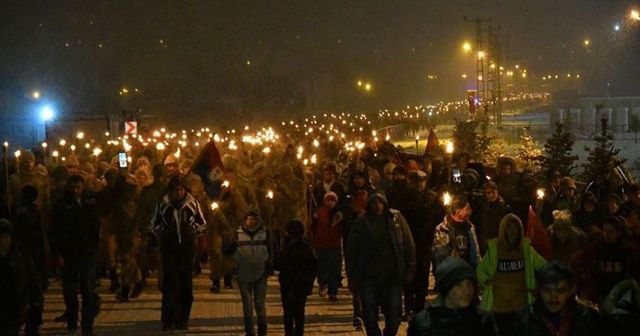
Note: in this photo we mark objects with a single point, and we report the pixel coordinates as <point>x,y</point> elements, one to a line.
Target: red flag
<point>209,167</point>
<point>539,236</point>
<point>433,145</point>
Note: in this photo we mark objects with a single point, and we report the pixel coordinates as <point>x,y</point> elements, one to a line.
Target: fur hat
<point>561,219</point>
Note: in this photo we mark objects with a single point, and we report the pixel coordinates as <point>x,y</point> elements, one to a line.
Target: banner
<point>209,167</point>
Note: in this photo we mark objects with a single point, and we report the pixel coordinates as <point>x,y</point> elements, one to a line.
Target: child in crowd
<point>327,238</point>
<point>298,268</point>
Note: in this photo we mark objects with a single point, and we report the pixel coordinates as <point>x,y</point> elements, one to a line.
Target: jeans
<point>81,273</point>
<point>388,297</point>
<point>329,269</point>
<point>254,295</point>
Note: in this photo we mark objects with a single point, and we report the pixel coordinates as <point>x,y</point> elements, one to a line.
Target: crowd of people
<point>507,259</point>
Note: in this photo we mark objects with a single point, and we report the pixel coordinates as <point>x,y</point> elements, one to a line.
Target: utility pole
<point>481,87</point>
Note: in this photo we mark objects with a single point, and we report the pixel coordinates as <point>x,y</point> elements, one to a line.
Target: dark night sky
<point>291,55</point>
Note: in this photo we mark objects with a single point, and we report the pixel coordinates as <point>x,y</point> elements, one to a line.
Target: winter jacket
<point>326,234</point>
<point>441,321</point>
<point>75,231</point>
<point>298,267</point>
<point>177,226</point>
<point>445,246</point>
<point>488,267</point>
<point>580,320</point>
<point>253,251</point>
<point>362,252</point>
<point>621,309</point>
<point>21,299</point>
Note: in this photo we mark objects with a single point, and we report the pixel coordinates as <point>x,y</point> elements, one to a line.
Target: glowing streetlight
<point>587,43</point>
<point>481,54</point>
<point>367,87</point>
<point>35,95</point>
<point>466,47</point>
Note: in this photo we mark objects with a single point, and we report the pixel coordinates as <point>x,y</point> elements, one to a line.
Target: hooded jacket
<point>488,267</point>
<point>253,251</point>
<point>360,246</point>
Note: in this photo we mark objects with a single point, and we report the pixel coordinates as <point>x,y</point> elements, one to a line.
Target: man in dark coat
<point>75,239</point>
<point>380,272</point>
<point>21,298</point>
<point>423,213</point>
<point>556,312</point>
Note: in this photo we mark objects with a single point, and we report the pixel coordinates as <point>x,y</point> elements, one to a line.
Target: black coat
<point>75,231</point>
<point>21,299</point>
<point>442,321</point>
<point>298,267</point>
<point>584,321</point>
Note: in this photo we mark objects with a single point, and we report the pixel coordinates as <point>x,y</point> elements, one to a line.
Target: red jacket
<point>326,235</point>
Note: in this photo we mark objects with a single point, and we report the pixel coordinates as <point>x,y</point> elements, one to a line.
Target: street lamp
<point>417,139</point>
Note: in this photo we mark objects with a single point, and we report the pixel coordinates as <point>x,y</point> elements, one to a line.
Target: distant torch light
<point>225,184</point>
<point>270,194</point>
<point>214,206</point>
<point>540,193</point>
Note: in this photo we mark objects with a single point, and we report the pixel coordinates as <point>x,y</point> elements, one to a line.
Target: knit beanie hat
<point>330,194</point>
<point>294,227</point>
<point>5,227</point>
<point>450,272</point>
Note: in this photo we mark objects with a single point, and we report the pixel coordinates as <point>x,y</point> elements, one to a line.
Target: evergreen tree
<point>496,150</point>
<point>599,160</point>
<point>483,140</point>
<point>464,137</point>
<point>528,155</point>
<point>557,152</point>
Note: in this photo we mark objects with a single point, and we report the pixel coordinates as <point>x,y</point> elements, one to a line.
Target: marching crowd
<point>507,260</point>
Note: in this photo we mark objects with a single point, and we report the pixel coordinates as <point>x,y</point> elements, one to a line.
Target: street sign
<point>130,127</point>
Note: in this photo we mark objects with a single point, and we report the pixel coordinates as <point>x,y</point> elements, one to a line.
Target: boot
<point>123,294</point>
<point>227,282</point>
<point>138,288</point>
<point>197,268</point>
<point>215,286</point>
<point>115,284</point>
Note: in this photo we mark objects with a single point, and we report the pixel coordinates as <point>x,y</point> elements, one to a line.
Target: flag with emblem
<point>209,167</point>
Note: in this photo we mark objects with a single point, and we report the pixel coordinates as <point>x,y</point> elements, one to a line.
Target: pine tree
<point>557,152</point>
<point>528,155</point>
<point>598,162</point>
<point>464,137</point>
<point>496,150</point>
<point>483,140</point>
